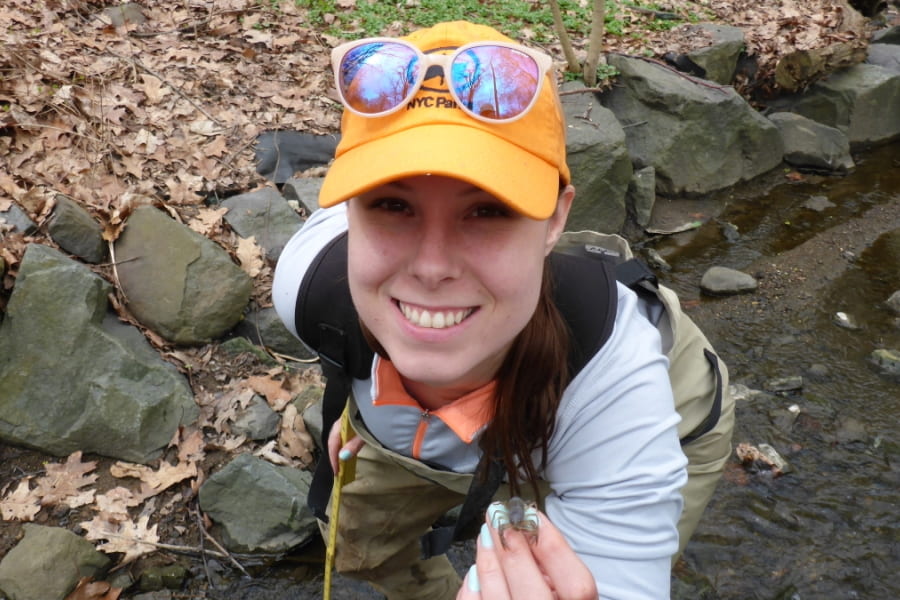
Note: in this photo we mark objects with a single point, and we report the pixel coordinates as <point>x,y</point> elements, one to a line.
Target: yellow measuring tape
<point>346,473</point>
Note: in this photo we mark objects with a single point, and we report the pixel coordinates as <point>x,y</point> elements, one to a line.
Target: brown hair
<point>530,384</point>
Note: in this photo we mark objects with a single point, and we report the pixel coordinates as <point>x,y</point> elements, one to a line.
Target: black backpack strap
<point>327,321</point>
<point>438,540</point>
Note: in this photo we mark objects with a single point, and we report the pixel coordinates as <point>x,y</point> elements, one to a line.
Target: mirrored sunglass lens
<point>494,81</point>
<point>377,76</point>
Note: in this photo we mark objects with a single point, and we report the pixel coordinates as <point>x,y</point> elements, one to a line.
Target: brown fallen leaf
<point>21,504</point>
<point>88,589</point>
<point>133,539</point>
<point>294,441</point>
<point>155,481</point>
<point>63,482</point>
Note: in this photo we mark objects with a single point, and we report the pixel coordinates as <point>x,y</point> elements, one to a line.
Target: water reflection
<point>831,527</point>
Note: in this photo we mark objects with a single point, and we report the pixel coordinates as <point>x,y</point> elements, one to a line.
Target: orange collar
<point>466,415</point>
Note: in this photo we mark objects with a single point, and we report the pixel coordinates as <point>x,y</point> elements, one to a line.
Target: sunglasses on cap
<point>495,82</point>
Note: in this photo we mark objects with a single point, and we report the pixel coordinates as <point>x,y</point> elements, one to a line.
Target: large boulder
<point>74,377</point>
<point>811,145</point>
<point>179,283</point>
<point>720,58</point>
<point>265,216</point>
<point>698,136</point>
<point>599,162</point>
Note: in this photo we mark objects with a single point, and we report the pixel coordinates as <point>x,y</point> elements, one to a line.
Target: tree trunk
<point>573,65</point>
<point>598,28</point>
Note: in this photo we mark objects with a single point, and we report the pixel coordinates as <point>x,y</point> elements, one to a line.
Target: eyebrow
<point>472,190</point>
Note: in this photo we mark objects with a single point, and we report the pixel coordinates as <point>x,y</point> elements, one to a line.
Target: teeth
<point>436,319</point>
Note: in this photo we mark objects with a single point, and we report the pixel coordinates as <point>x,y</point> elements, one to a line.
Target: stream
<point>830,527</point>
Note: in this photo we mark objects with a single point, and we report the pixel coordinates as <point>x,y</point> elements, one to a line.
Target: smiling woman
<point>447,213</point>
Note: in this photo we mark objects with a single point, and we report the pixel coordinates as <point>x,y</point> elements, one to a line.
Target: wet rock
<point>730,231</point>
<point>762,457</point>
<point>811,145</point>
<point>850,429</point>
<point>598,159</point>
<point>170,577</point>
<point>642,195</point>
<point>76,231</point>
<point>265,216</point>
<point>845,321</point>
<point>712,138</point>
<point>178,283</point>
<point>785,385</point>
<point>887,361</point>
<point>893,302</point>
<point>258,421</point>
<point>655,260</point>
<point>885,55</point>
<point>259,507</point>
<point>818,203</point>
<point>722,281</point>
<point>122,14</point>
<point>819,371</point>
<point>263,327</point>
<point>47,564</point>
<point>889,35</point>
<point>74,377</point>
<point>280,154</point>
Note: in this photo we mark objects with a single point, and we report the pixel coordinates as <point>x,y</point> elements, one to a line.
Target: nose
<point>437,256</point>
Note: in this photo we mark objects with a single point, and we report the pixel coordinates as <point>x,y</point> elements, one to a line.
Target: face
<point>445,276</point>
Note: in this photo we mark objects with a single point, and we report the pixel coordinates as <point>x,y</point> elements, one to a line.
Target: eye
<point>391,205</point>
<point>492,210</point>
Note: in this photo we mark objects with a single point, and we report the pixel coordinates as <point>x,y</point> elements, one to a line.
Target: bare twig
<point>224,552</point>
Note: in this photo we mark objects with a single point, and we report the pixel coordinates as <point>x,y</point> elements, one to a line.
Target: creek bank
<point>181,315</point>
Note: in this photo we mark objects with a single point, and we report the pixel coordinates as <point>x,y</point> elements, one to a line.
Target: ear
<point>556,224</point>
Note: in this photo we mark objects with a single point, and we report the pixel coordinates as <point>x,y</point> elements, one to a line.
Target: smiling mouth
<point>434,319</point>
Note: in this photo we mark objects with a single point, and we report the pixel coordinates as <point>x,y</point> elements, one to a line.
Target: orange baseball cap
<point>521,162</point>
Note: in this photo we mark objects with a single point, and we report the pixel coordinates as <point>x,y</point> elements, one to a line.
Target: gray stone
<point>122,14</point>
<point>281,154</point>
<point>722,281</point>
<point>264,327</point>
<point>259,507</point>
<point>312,418</point>
<point>808,144</point>
<point>258,421</point>
<point>885,55</point>
<point>861,101</point>
<point>76,231</point>
<point>818,203</point>
<point>890,35</point>
<point>304,191</point>
<point>845,321</point>
<point>893,302</point>
<point>642,195</point>
<point>47,564</point>
<point>18,219</point>
<point>699,138</point>
<point>719,59</point>
<point>599,162</point>
<point>264,215</point>
<point>74,377</point>
<point>178,283</point>
<point>785,385</point>
<point>887,360</point>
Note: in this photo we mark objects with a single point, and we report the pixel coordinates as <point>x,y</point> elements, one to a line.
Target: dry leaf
<point>125,536</point>
<point>250,256</point>
<point>155,481</point>
<point>21,504</point>
<point>294,441</point>
<point>63,482</point>
<point>88,589</point>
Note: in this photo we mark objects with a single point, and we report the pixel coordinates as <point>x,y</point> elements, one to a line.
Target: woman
<point>452,187</point>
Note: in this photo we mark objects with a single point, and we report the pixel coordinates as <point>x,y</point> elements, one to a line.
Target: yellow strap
<point>346,473</point>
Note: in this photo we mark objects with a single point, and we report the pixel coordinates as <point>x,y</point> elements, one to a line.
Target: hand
<point>513,568</point>
<point>338,452</point>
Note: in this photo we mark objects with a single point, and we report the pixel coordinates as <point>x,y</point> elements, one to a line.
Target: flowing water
<point>829,528</point>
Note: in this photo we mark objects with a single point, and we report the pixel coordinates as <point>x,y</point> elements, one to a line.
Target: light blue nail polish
<point>486,540</point>
<point>345,455</point>
<point>497,514</point>
<point>472,578</point>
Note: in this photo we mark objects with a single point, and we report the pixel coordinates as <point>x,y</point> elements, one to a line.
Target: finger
<point>490,576</point>
<point>351,448</point>
<point>522,573</point>
<point>470,589</point>
<point>569,576</point>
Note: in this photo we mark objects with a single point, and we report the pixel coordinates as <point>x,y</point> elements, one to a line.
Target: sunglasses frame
<point>543,62</point>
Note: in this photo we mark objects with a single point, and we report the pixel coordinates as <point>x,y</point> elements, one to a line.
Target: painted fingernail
<point>497,510</point>
<point>472,578</point>
<point>486,540</point>
<point>345,455</point>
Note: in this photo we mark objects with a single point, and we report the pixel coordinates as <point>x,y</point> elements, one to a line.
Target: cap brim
<point>525,182</point>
